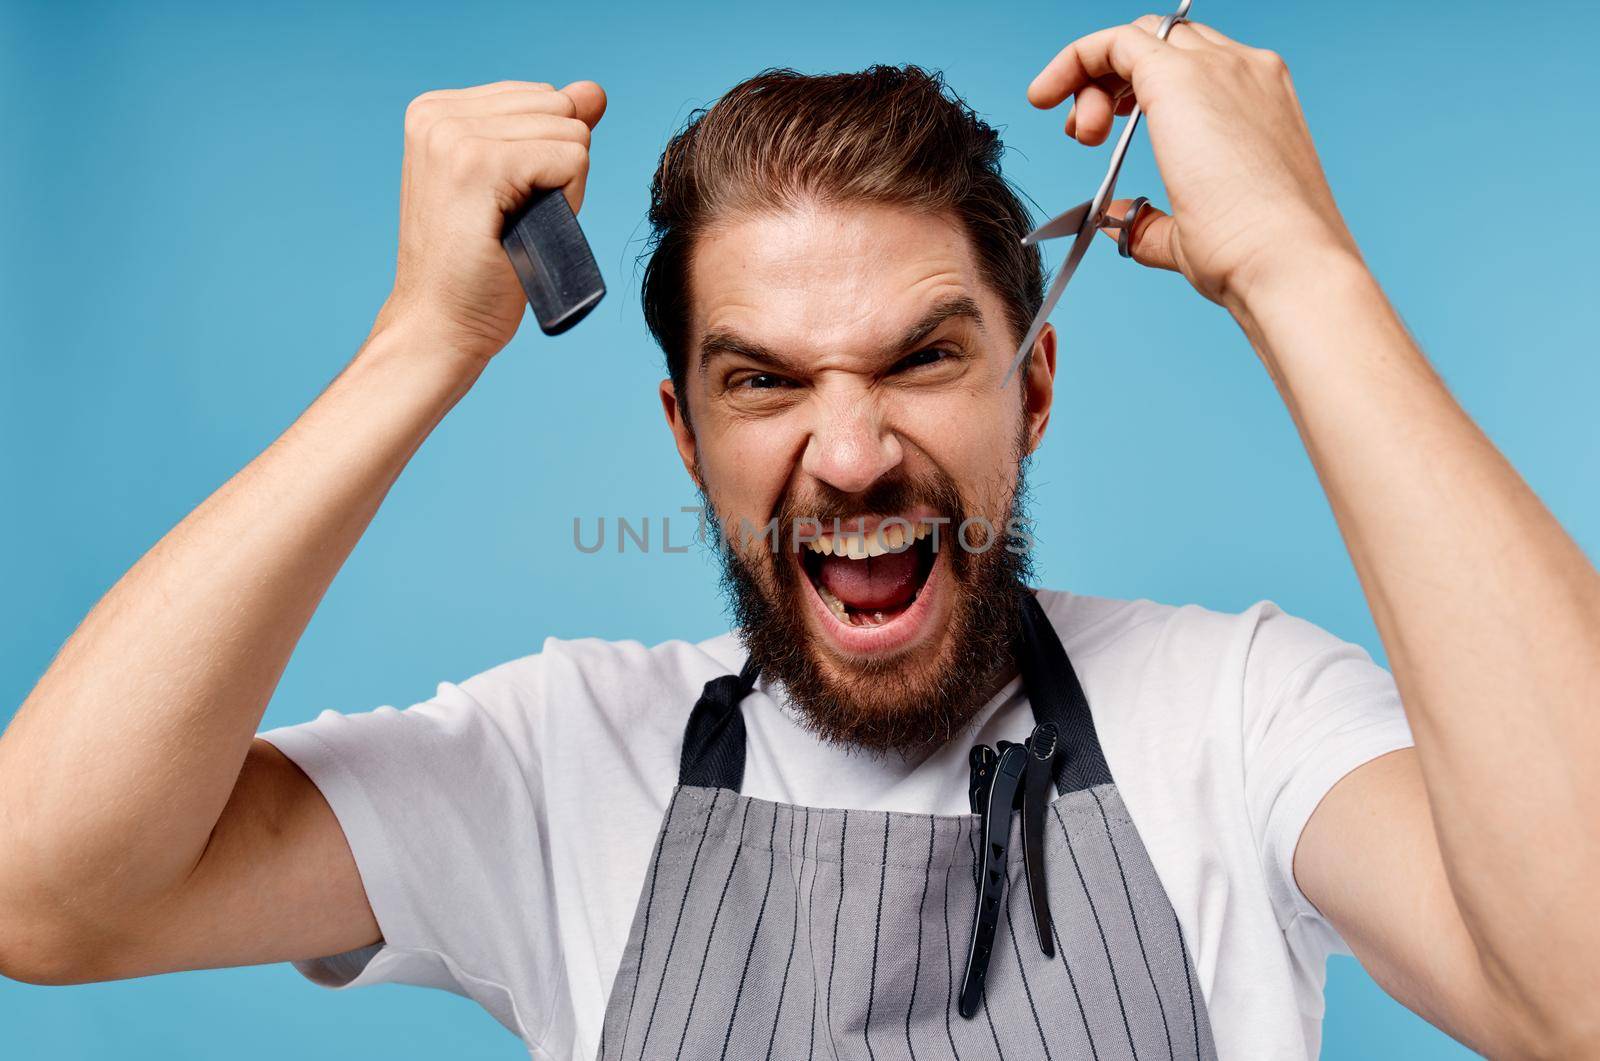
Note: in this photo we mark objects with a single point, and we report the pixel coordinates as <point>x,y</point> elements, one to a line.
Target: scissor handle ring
<point>1124,227</point>
<point>1170,21</point>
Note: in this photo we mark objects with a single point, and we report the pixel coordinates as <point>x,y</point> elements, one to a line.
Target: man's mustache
<point>827,507</point>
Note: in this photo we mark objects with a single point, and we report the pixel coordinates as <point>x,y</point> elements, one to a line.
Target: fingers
<point>512,101</point>
<point>532,164</point>
<point>1111,55</point>
<point>519,127</point>
<point>510,137</point>
<point>1187,34</point>
<point>487,90</point>
<point>514,168</point>
<point>1098,70</point>
<point>589,99</point>
<point>581,100</point>
<point>1092,112</point>
<point>1153,240</point>
<point>1114,52</point>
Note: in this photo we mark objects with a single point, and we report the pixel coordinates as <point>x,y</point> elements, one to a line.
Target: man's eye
<point>763,381</point>
<point>931,356</point>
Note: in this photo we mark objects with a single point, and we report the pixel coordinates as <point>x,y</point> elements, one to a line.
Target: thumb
<point>1154,241</point>
<point>589,99</point>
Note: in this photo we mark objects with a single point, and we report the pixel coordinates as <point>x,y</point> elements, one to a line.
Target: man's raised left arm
<point>1460,873</point>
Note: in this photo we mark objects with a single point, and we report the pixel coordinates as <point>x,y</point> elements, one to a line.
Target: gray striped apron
<point>765,930</point>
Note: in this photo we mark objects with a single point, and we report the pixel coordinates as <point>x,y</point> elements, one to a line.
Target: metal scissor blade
<point>1064,224</point>
<point>1080,247</point>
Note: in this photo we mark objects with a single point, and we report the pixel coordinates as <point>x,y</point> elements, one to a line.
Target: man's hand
<point>472,156</point>
<point>1233,148</point>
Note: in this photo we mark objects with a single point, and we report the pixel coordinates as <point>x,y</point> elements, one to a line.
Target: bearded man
<point>910,807</point>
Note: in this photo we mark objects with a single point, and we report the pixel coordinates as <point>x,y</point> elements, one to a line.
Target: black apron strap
<point>1057,697</point>
<point>713,741</point>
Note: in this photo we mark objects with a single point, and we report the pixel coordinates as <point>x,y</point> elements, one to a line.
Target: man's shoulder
<point>607,672</point>
<point>1090,626</point>
<point>1084,617</point>
<point>697,661</point>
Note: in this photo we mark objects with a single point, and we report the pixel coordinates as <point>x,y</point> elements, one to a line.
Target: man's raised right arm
<point>142,827</point>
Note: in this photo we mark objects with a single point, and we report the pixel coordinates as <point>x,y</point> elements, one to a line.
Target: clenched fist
<point>472,155</point>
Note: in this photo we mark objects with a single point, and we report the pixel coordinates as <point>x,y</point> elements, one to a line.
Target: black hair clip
<point>1005,778</point>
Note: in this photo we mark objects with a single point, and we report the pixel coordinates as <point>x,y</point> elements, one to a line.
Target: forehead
<point>829,278</point>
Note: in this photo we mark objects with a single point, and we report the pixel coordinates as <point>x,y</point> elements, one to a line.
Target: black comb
<point>553,261</point>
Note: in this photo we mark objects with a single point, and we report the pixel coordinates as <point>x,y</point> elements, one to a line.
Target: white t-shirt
<point>503,829</point>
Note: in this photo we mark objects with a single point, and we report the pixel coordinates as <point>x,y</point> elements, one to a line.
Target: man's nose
<point>852,445</point>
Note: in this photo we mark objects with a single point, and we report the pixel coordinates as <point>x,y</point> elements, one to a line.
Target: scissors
<point>1083,220</point>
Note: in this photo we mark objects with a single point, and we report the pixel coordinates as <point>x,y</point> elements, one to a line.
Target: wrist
<point>1304,270</point>
<point>1315,312</point>
<point>405,340</point>
<point>1308,279</point>
<point>415,364</point>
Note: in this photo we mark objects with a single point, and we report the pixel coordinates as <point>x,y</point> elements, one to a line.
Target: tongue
<point>872,584</point>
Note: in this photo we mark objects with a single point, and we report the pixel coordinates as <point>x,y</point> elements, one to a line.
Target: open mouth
<point>871,577</point>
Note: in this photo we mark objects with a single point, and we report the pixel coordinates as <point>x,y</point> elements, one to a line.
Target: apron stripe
<point>1134,917</point>
<point>833,958</point>
<point>1011,931</point>
<point>916,975</point>
<point>992,1033</point>
<point>977,870</point>
<point>1098,928</point>
<point>644,935</point>
<point>949,957</point>
<point>811,941</point>
<point>794,930</point>
<point>1061,953</point>
<point>711,934</point>
<point>772,860</point>
<point>666,964</point>
<point>1188,981</point>
<point>877,932</point>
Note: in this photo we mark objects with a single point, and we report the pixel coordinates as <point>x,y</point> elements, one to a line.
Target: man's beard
<point>900,703</point>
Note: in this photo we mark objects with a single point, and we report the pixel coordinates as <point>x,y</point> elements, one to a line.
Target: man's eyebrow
<point>726,342</point>
<point>959,307</point>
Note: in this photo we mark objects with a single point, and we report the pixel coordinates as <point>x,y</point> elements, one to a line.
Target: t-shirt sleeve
<point>1315,708</point>
<point>442,806</point>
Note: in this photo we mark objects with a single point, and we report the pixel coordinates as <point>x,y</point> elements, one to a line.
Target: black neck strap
<point>714,739</point>
<point>1056,696</point>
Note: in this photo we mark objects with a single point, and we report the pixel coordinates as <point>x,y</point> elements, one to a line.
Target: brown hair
<point>888,134</point>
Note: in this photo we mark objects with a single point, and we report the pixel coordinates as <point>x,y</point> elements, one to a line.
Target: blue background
<point>199,222</point>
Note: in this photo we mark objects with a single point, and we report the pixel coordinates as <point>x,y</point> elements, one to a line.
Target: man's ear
<point>682,433</point>
<point>1039,387</point>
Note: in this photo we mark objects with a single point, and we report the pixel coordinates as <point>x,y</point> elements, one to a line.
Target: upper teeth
<point>857,546</point>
